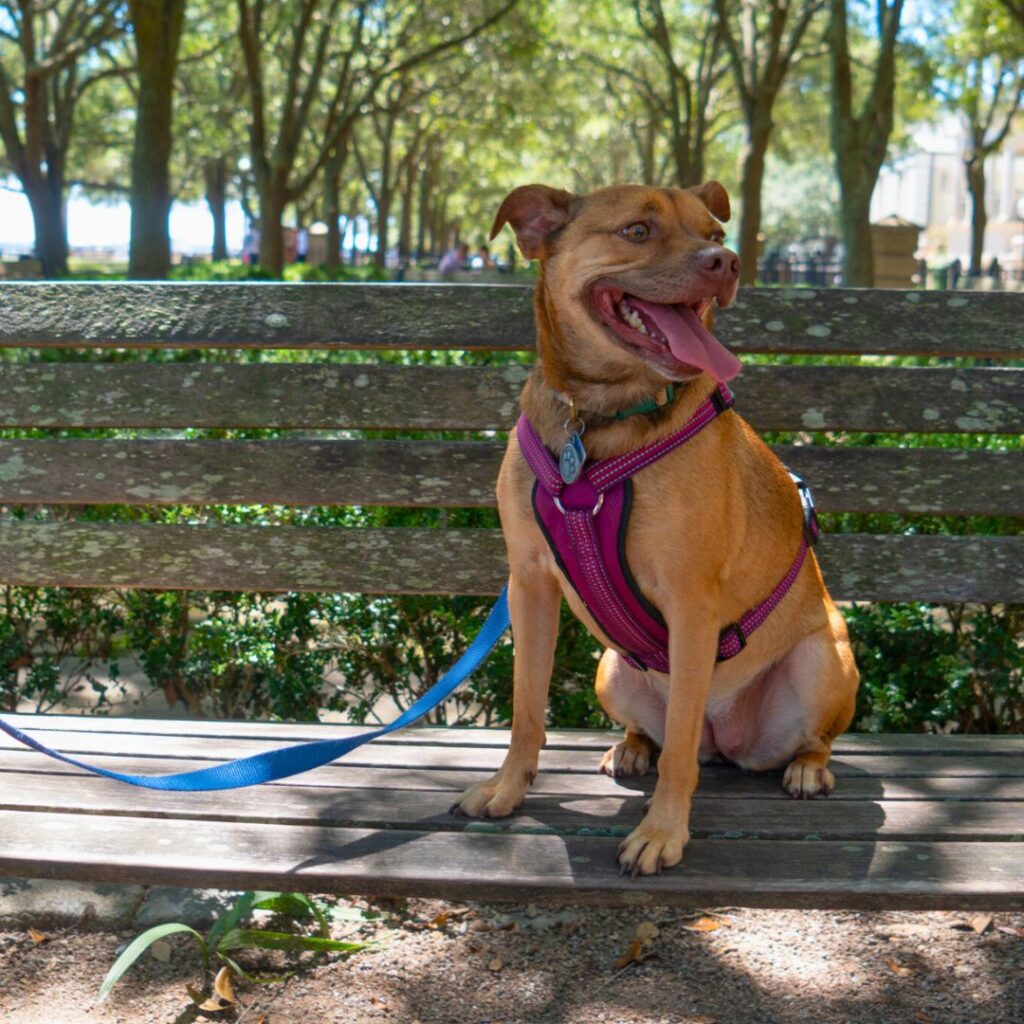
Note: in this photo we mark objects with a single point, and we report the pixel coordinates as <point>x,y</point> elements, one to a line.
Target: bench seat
<point>916,822</point>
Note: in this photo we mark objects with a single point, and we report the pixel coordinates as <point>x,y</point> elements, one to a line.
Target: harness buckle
<point>593,511</point>
<point>736,630</point>
<point>811,527</point>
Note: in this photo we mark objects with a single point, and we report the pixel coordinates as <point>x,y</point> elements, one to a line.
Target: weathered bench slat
<point>409,316</point>
<point>878,567</point>
<point>719,783</point>
<point>370,396</point>
<point>573,868</point>
<point>454,474</point>
<point>431,735</point>
<point>781,818</point>
<point>489,758</point>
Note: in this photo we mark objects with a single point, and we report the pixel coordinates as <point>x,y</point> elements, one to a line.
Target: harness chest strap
<point>585,525</point>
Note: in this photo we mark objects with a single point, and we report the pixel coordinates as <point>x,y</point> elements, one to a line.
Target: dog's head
<point>629,279</point>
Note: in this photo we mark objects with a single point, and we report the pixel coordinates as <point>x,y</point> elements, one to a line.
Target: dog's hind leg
<point>809,700</point>
<point>628,696</point>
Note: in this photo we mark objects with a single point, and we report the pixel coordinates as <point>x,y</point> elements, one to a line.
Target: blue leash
<point>300,757</point>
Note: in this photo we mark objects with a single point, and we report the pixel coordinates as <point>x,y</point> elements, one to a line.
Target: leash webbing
<point>300,757</point>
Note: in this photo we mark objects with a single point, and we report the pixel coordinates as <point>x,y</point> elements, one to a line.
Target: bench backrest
<point>313,407</point>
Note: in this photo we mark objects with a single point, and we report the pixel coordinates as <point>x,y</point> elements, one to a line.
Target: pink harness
<point>585,526</point>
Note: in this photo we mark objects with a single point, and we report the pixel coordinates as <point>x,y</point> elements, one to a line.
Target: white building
<point>928,186</point>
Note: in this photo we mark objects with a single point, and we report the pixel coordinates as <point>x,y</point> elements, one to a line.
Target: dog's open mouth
<point>670,336</point>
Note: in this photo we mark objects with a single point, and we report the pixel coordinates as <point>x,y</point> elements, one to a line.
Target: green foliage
<point>52,643</point>
<point>928,669</point>
<point>225,936</point>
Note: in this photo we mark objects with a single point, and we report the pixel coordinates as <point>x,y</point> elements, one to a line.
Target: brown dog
<point>714,524</point>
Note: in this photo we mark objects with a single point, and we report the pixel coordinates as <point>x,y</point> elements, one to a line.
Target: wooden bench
<point>916,821</point>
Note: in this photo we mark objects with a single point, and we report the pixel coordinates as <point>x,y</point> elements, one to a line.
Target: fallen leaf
<point>495,965</point>
<point>638,952</point>
<point>646,931</point>
<point>223,992</point>
<point>706,924</point>
<point>898,968</point>
<point>981,923</point>
<point>922,1017</point>
<point>440,921</point>
<point>37,936</point>
<point>702,1018</point>
<point>1009,929</point>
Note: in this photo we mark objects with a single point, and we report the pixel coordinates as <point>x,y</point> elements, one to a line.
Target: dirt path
<point>438,962</point>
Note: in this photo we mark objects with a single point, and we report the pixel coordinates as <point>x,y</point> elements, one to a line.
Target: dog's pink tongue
<point>690,341</point>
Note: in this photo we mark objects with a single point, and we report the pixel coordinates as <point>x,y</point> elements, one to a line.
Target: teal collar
<point>664,397</point>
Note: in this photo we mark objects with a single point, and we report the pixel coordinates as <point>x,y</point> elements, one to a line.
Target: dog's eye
<point>638,232</point>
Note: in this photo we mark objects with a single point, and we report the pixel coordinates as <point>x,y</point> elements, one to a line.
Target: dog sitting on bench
<point>633,490</point>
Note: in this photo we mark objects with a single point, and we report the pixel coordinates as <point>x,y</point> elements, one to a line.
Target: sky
<point>106,226</point>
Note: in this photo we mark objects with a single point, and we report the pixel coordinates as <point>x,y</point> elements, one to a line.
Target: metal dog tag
<point>570,462</point>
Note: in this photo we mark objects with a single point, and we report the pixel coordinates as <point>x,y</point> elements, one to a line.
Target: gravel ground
<point>437,962</point>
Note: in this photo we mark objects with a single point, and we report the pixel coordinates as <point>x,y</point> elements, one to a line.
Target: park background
<point>153,139</point>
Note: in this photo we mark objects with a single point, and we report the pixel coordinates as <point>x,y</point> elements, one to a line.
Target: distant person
<point>482,260</point>
<point>301,245</point>
<point>995,271</point>
<point>251,246</point>
<point>953,274</point>
<point>454,260</point>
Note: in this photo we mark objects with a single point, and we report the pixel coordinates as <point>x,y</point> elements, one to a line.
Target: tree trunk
<point>333,167</point>
<point>755,148</point>
<point>385,201</point>
<point>273,200</point>
<point>975,164</point>
<point>855,221</point>
<point>424,212</point>
<point>405,224</point>
<point>215,173</point>
<point>157,26</point>
<point>332,217</point>
<point>46,200</point>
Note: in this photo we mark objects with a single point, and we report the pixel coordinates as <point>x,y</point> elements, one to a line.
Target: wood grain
<point>410,316</point>
<point>719,783</point>
<point>455,474</point>
<point>878,567</point>
<point>296,396</point>
<point>489,758</point>
<point>713,817</point>
<point>490,866</point>
<point>948,745</point>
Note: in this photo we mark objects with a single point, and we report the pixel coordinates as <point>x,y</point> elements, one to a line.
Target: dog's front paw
<point>806,777</point>
<point>630,756</point>
<point>495,798</point>
<point>651,847</point>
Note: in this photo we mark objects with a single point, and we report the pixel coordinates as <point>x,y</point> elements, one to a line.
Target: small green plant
<point>227,935</point>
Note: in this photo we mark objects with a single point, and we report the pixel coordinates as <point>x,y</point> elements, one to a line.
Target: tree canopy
<point>418,117</point>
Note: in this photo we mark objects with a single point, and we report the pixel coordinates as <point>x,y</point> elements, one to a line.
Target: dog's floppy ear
<point>713,195</point>
<point>534,211</point>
